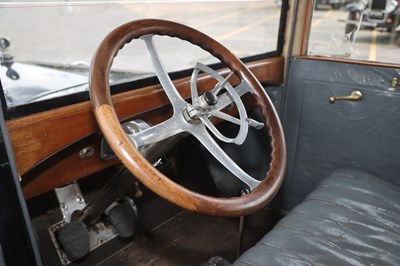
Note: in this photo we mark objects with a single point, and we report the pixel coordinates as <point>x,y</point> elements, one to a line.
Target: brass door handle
<point>354,96</point>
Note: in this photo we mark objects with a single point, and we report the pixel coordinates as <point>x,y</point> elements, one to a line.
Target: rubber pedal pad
<point>74,240</point>
<point>123,219</point>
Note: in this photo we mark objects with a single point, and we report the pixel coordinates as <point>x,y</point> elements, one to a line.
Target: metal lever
<point>354,96</point>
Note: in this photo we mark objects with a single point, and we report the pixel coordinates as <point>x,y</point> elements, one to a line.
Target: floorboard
<point>190,239</point>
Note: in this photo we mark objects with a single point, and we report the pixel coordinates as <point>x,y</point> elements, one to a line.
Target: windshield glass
<point>46,46</point>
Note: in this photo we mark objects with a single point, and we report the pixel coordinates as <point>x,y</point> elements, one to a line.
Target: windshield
<point>51,43</point>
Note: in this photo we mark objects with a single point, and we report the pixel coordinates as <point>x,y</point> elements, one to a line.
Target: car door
<point>324,135</point>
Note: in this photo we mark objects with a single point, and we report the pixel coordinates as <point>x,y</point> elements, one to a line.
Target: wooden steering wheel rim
<point>138,165</point>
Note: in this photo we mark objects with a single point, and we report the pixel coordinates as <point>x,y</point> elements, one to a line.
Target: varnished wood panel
<point>66,165</point>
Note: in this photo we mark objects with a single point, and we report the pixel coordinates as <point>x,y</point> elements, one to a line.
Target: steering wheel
<point>193,118</point>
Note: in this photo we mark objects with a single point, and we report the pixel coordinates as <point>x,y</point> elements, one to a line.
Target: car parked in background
<point>378,15</point>
<point>335,4</point>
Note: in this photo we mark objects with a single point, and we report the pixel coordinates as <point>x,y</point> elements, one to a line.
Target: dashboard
<point>55,147</point>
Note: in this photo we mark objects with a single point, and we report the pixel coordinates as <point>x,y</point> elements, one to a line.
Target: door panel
<point>322,137</point>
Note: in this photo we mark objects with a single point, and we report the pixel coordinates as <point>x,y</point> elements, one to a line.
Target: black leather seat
<point>352,218</point>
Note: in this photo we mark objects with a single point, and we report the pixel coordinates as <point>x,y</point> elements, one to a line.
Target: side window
<point>356,29</point>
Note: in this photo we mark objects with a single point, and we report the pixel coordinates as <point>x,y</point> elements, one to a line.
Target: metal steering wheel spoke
<point>200,132</point>
<point>224,99</point>
<point>238,140</point>
<point>221,84</point>
<point>226,117</point>
<point>166,82</point>
<point>241,136</point>
<point>159,132</point>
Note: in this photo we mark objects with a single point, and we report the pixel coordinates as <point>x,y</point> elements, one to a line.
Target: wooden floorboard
<point>190,239</point>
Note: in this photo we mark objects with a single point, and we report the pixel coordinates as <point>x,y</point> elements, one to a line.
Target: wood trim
<point>36,137</point>
<point>306,27</point>
<point>298,22</point>
<point>66,165</point>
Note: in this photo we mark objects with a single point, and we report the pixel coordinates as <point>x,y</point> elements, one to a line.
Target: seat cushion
<point>352,218</point>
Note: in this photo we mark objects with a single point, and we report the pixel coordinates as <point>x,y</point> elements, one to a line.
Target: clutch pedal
<point>74,240</point>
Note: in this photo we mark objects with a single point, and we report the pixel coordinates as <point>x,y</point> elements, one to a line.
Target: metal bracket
<point>70,199</point>
<point>131,127</point>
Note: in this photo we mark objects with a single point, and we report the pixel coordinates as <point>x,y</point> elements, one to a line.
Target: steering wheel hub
<point>191,114</point>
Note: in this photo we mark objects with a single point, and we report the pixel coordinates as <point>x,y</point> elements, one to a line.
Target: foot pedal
<point>74,240</point>
<point>123,219</point>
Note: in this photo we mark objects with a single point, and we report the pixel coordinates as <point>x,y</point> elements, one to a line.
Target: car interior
<point>287,155</point>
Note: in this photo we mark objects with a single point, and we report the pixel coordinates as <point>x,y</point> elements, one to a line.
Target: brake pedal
<point>123,219</point>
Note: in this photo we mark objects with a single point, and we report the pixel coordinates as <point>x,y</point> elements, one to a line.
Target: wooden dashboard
<point>47,145</point>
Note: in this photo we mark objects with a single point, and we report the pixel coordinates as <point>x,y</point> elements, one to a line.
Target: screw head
<point>86,152</point>
<point>80,200</point>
